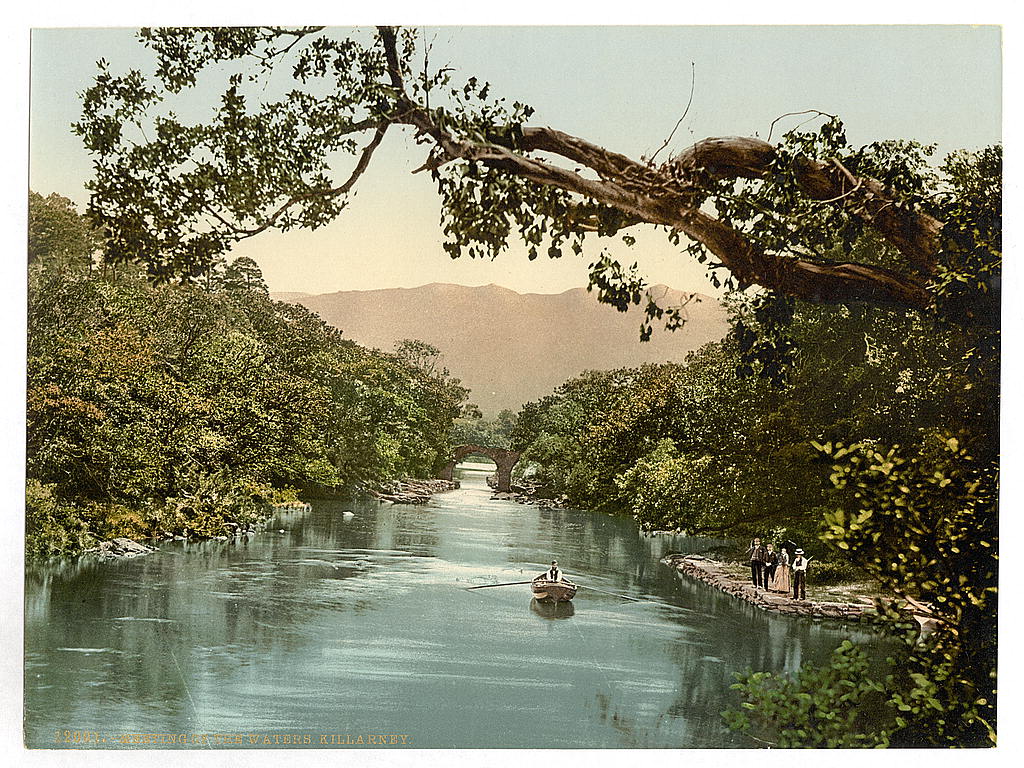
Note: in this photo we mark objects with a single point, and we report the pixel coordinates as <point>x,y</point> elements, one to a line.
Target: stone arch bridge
<point>505,460</point>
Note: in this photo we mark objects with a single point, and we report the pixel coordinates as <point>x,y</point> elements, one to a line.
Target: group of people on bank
<point>774,571</point>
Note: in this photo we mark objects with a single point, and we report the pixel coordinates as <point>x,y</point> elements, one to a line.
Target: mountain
<point>510,348</point>
<point>292,297</point>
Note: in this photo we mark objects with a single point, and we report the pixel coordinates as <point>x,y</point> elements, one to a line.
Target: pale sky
<point>621,87</point>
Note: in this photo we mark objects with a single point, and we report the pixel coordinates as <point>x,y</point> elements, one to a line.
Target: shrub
<point>51,527</point>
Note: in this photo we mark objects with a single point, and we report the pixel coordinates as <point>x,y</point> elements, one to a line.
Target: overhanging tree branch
<point>763,212</point>
<point>343,188</point>
<point>669,196</point>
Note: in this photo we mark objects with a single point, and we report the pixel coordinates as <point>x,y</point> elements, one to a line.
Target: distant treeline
<point>193,408</point>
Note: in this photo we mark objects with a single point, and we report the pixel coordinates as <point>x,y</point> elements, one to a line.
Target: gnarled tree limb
<point>669,195</point>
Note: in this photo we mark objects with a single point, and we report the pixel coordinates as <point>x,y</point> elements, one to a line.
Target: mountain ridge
<point>509,347</point>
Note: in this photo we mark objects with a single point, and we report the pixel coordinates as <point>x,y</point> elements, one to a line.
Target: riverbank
<point>854,603</point>
<point>736,582</point>
<point>133,538</point>
<point>526,493</point>
<point>411,491</point>
<point>122,547</point>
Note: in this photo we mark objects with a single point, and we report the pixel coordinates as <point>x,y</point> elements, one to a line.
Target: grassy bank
<point>55,527</point>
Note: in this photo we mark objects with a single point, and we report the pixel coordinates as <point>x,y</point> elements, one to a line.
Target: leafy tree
<point>921,516</point>
<point>926,528</point>
<point>242,274</point>
<point>419,354</point>
<point>59,234</point>
<point>178,195</point>
<point>476,430</point>
<point>166,409</point>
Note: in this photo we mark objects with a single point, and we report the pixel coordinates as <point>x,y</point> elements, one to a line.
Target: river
<point>328,629</point>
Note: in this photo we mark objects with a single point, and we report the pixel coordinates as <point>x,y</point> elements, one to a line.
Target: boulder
<point>122,547</point>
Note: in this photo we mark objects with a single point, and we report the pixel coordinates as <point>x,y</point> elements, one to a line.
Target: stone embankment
<point>122,548</point>
<point>527,493</point>
<point>716,575</point>
<point>413,491</point>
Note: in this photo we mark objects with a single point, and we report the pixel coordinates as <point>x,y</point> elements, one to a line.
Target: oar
<point>634,599</point>
<point>614,594</point>
<point>506,584</point>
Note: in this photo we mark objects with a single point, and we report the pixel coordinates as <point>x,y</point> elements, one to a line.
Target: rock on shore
<point>121,547</point>
<point>527,493</point>
<point>414,491</point>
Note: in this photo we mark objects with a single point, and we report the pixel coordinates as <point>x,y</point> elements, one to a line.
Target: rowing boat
<point>555,591</point>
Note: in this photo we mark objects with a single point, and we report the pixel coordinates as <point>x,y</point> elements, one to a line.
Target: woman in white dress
<point>782,581</point>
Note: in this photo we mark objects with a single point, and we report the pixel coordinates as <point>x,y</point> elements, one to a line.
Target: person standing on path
<point>799,576</point>
<point>782,580</point>
<point>771,560</point>
<point>757,555</point>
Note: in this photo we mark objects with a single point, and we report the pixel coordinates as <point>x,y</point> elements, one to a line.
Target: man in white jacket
<point>800,576</point>
<point>554,573</point>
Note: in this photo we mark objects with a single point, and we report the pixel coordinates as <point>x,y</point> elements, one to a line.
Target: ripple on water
<point>368,625</point>
<point>153,619</point>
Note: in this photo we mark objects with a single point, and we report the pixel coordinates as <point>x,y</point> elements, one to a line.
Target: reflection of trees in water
<point>234,620</point>
<point>724,636</point>
<point>199,612</point>
<point>747,637</point>
<point>631,735</point>
<point>412,529</point>
<point>593,544</point>
<point>582,542</point>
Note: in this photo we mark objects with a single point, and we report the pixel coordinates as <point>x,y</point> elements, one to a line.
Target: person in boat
<point>554,573</point>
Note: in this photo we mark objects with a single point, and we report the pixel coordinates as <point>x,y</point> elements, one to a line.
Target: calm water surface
<point>361,625</point>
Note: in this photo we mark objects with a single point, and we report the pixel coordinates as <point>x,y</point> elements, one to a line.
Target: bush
<point>216,504</point>
<point>837,705</point>
<point>834,572</point>
<point>51,527</point>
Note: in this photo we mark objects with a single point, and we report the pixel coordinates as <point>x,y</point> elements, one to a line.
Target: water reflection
<point>552,610</point>
<point>361,623</point>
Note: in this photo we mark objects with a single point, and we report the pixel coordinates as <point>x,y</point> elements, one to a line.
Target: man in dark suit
<point>771,562</point>
<point>757,557</point>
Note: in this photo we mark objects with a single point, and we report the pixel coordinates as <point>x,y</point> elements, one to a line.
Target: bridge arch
<point>505,459</point>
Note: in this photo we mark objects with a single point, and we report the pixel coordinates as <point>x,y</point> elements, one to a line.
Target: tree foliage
<point>161,409</point>
<point>59,235</point>
<point>176,194</point>
<point>474,429</point>
<point>837,705</point>
<point>925,527</point>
